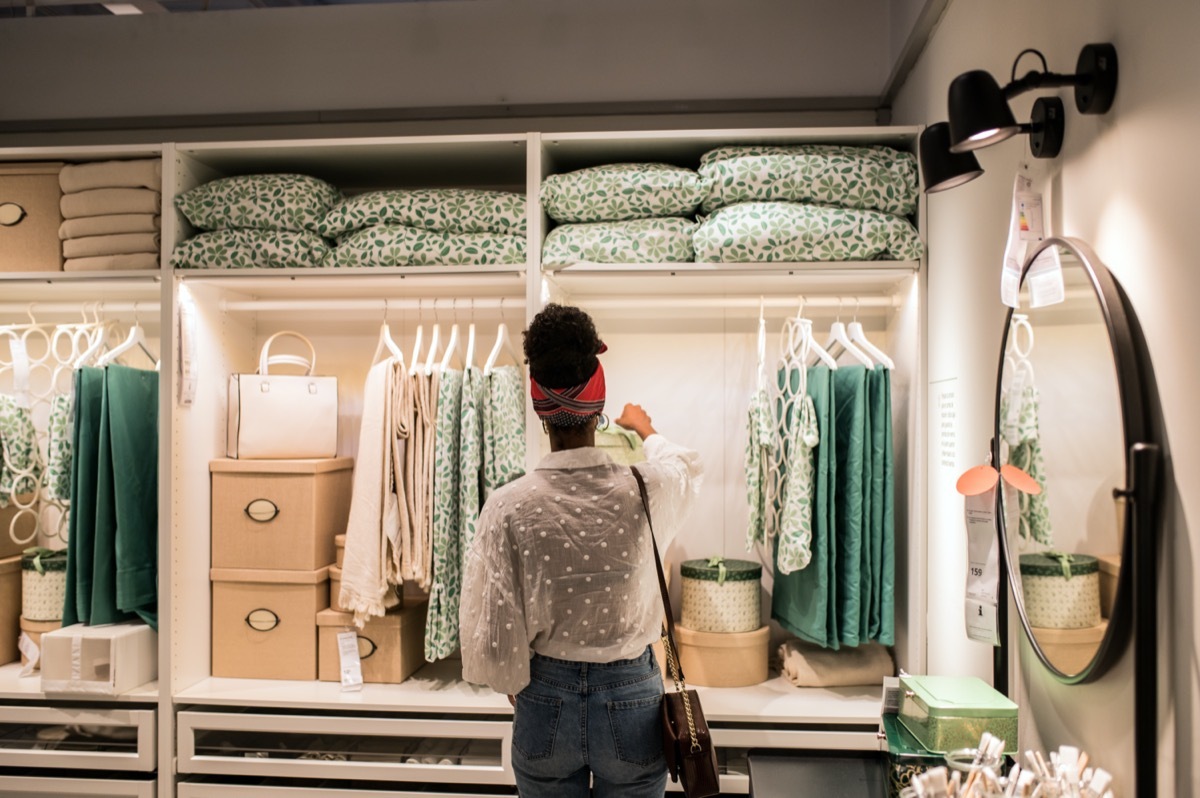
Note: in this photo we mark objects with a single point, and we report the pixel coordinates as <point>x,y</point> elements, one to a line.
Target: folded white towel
<point>108,201</point>
<point>808,665</point>
<point>112,174</point>
<point>121,244</point>
<point>112,263</point>
<point>109,225</point>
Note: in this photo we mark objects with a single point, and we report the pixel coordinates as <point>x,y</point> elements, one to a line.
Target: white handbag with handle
<point>282,416</point>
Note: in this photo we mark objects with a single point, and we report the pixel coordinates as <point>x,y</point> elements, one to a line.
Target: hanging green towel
<point>104,553</point>
<point>1020,429</point>
<point>81,524</point>
<point>441,616</point>
<point>760,439</point>
<point>850,420</point>
<point>883,513</point>
<point>503,428</point>
<point>132,407</point>
<point>805,602</point>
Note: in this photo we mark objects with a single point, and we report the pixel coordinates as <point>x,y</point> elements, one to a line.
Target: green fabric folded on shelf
<point>260,202</point>
<point>398,245</point>
<point>251,249</point>
<point>622,191</point>
<point>449,210</point>
<point>661,240</point>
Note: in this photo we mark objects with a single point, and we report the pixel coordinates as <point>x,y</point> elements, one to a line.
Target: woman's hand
<point>635,418</point>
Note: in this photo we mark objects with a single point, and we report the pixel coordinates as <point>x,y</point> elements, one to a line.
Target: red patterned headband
<point>573,406</point>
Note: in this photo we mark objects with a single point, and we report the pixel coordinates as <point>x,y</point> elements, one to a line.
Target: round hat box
<point>1054,600</point>
<point>723,597</point>
<point>43,584</point>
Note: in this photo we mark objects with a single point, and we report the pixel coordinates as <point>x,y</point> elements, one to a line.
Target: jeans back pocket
<point>535,724</point>
<point>637,729</point>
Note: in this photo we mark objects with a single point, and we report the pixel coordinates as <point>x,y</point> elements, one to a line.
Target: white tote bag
<point>282,416</point>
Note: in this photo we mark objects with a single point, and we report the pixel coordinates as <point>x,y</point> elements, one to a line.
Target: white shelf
<point>79,286</point>
<point>14,687</point>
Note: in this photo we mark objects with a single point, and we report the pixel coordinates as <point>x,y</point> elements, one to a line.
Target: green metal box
<point>906,758</point>
<point>949,712</point>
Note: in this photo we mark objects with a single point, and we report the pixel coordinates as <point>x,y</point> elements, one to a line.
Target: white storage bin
<point>106,660</point>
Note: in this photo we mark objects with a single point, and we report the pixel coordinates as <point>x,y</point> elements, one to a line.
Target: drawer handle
<point>11,213</point>
<point>262,510</point>
<point>262,620</point>
<point>366,647</point>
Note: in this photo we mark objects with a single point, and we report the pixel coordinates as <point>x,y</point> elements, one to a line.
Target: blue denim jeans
<point>582,722</point>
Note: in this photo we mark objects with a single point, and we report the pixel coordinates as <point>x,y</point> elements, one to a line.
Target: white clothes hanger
<point>136,337</point>
<point>469,359</point>
<point>434,340</point>
<point>840,339</point>
<point>859,337</point>
<point>800,342</point>
<point>503,344</point>
<point>416,353</point>
<point>452,347</point>
<point>386,342</point>
<point>762,347</point>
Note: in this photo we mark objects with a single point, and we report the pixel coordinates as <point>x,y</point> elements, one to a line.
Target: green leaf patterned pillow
<point>875,178</point>
<point>760,232</point>
<point>259,202</point>
<point>452,210</point>
<point>638,241</point>
<point>251,249</point>
<point>622,191</point>
<point>399,245</point>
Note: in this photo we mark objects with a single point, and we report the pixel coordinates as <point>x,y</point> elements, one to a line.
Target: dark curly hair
<point>560,346</point>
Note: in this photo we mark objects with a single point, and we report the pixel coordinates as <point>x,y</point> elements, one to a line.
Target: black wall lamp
<point>980,116</point>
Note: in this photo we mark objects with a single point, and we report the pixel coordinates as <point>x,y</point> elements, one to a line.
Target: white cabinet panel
<point>78,738</point>
<point>60,787</point>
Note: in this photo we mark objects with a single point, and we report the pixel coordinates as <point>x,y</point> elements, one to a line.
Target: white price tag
<point>20,368</point>
<point>1045,279</point>
<point>188,377</point>
<point>983,568</point>
<point>1026,223</point>
<point>351,663</point>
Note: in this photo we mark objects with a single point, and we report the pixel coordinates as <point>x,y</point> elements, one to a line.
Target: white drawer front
<point>61,787</point>
<point>193,790</point>
<point>78,738</point>
<point>333,747</point>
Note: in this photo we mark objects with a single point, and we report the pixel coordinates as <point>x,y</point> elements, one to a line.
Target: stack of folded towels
<point>111,215</point>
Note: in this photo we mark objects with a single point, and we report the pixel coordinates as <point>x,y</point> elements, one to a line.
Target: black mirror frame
<point>1135,608</point>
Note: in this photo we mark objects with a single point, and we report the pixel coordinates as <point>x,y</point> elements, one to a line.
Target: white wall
<point>495,53</point>
<point>1124,182</point>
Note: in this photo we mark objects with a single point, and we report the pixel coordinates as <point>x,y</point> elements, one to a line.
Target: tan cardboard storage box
<point>1110,575</point>
<point>30,217</point>
<point>24,524</point>
<point>10,609</point>
<point>278,514</point>
<point>392,648</point>
<point>1070,650</point>
<point>34,631</point>
<point>264,623</point>
<point>723,659</point>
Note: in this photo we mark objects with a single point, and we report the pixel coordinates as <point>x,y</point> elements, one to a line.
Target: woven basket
<point>721,602</point>
<point>43,584</point>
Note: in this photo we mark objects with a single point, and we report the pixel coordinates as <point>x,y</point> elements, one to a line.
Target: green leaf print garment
<point>763,232</point>
<point>1020,429</point>
<point>622,191</point>
<point>850,418</point>
<point>20,459</point>
<point>259,202</point>
<point>805,601</point>
<point>251,249</point>
<point>666,240</point>
<point>503,429</point>
<point>451,210</point>
<point>794,550</point>
<point>470,458</point>
<point>871,178</point>
<point>396,245</point>
<point>58,445</point>
<point>760,447</point>
<point>441,623</point>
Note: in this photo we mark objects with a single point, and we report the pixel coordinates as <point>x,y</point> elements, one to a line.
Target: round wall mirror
<point>1069,412</point>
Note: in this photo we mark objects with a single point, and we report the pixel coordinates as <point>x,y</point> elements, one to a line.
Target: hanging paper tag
<point>20,366</point>
<point>351,662</point>
<point>1046,279</point>
<point>31,651</point>
<point>983,568</point>
<point>188,377</point>
<point>1019,227</point>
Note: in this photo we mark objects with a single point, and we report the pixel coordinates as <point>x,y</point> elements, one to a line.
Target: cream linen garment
<point>562,566</point>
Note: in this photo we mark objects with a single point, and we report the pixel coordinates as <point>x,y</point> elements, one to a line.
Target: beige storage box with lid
<point>278,514</point>
<point>339,543</point>
<point>99,660</point>
<point>264,623</point>
<point>10,609</point>
<point>392,647</point>
<point>30,217</point>
<point>723,659</point>
<point>1070,650</point>
<point>1061,592</point>
<point>721,597</point>
<point>18,528</point>
<point>34,631</point>
<point>1110,575</point>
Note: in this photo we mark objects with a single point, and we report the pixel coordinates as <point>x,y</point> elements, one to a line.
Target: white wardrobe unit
<point>35,304</point>
<point>682,342</point>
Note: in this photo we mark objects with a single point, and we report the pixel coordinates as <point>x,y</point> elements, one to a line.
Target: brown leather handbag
<point>687,744</point>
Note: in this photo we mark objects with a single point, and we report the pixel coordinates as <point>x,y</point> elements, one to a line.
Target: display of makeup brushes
<point>974,773</point>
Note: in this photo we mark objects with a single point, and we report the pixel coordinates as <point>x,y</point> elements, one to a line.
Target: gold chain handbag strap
<point>668,629</point>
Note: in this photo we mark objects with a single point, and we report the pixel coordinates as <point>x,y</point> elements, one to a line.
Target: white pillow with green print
<point>622,191</point>
<point>452,210</point>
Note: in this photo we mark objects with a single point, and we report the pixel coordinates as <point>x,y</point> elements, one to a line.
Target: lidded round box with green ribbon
<point>43,584</point>
<point>1062,591</point>
<point>721,595</point>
